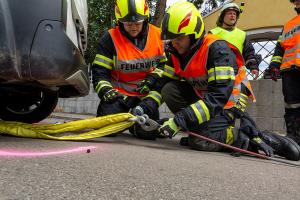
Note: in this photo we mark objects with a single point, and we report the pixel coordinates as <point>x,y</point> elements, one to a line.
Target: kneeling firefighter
<point>203,76</point>
<point>126,63</point>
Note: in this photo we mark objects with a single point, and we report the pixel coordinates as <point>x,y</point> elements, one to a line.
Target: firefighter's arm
<point>277,56</point>
<point>163,73</point>
<point>101,69</point>
<point>252,60</point>
<point>149,83</point>
<point>167,75</point>
<point>274,67</point>
<point>220,84</point>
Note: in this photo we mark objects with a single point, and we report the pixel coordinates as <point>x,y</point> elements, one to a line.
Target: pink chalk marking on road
<point>26,153</point>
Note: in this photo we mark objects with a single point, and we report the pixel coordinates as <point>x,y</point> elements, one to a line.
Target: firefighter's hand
<point>242,141</point>
<point>169,128</point>
<point>238,109</point>
<point>110,96</point>
<point>145,86</point>
<point>274,73</point>
<point>263,146</point>
<point>255,73</point>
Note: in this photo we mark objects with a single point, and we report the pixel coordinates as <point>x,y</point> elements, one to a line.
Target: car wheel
<point>29,108</point>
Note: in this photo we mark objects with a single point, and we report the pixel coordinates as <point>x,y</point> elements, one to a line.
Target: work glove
<point>169,128</point>
<point>236,112</point>
<point>110,96</point>
<point>145,85</point>
<point>253,64</point>
<point>242,141</point>
<point>274,72</point>
<point>257,141</point>
<point>248,126</point>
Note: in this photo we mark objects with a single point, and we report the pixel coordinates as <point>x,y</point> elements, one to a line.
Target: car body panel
<point>42,45</point>
<point>34,46</point>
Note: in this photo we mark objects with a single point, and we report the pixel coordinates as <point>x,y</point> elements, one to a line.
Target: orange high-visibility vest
<point>132,65</point>
<point>290,41</point>
<point>196,72</point>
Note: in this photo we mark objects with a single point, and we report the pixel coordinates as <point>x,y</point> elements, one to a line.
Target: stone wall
<point>268,110</point>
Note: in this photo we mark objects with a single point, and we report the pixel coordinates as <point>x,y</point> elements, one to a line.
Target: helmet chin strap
<point>229,25</point>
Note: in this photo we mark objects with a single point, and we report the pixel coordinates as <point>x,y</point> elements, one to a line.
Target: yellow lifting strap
<point>101,126</point>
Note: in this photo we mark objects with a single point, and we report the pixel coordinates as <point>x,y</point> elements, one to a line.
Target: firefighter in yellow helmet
<point>199,81</point>
<point>286,62</point>
<point>126,64</point>
<point>227,30</point>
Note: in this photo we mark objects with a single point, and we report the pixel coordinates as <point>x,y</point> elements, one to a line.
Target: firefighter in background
<point>126,63</point>
<point>227,30</point>
<point>199,82</point>
<point>286,62</point>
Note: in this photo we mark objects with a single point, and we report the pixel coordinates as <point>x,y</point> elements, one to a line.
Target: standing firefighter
<point>201,81</point>
<point>286,61</point>
<point>126,62</point>
<point>227,30</point>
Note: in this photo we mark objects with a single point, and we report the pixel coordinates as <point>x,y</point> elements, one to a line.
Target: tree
<point>159,12</point>
<point>197,3</point>
<point>101,16</point>
<point>209,5</point>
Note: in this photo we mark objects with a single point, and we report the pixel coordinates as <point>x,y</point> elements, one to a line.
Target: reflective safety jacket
<point>132,64</point>
<point>122,62</point>
<point>199,77</point>
<point>236,36</point>
<point>289,55</point>
<point>290,42</point>
<point>239,39</point>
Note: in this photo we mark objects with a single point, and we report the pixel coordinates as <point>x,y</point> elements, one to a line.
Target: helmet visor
<point>137,23</point>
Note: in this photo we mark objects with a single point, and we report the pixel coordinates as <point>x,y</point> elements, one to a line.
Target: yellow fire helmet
<point>182,18</point>
<point>131,10</point>
<point>226,7</point>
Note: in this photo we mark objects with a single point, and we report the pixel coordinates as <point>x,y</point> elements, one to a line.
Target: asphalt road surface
<point>124,167</point>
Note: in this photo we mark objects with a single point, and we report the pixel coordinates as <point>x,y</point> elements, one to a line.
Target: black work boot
<point>293,128</point>
<point>283,146</point>
<point>184,141</point>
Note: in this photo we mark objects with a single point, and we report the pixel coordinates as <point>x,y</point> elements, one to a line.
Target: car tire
<point>37,108</point>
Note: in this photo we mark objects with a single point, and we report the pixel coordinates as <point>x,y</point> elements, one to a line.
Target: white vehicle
<point>42,43</point>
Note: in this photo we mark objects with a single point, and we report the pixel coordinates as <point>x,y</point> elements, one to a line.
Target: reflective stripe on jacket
<point>132,65</point>
<point>240,78</point>
<point>290,42</point>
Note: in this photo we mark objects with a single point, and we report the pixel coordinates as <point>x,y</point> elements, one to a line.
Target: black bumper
<point>35,49</point>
